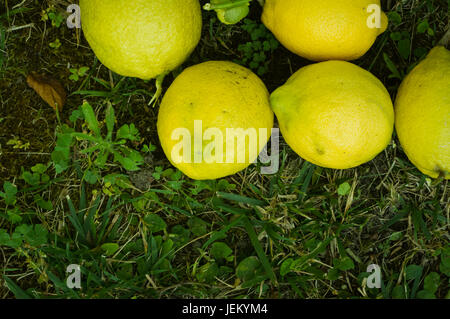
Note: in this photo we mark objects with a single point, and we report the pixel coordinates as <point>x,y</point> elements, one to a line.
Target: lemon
<point>214,120</point>
<point>322,30</point>
<point>422,110</point>
<point>334,114</point>
<point>141,38</point>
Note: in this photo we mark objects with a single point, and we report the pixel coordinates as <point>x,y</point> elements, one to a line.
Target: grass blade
<point>259,250</point>
<point>18,292</point>
<point>241,199</point>
<point>73,217</point>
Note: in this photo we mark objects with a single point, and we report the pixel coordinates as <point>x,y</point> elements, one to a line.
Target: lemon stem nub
<point>158,82</point>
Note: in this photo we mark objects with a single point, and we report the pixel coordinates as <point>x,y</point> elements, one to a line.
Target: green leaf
<point>110,248</point>
<point>23,229</point>
<point>404,48</point>
<point>180,235</point>
<point>82,71</point>
<point>233,15</point>
<point>344,189</point>
<point>333,274</point>
<point>14,216</point>
<point>166,247</point>
<point>391,66</point>
<point>220,250</point>
<point>64,140</point>
<point>396,36</point>
<point>396,236</point>
<point>91,177</point>
<point>4,237</point>
<point>432,282</point>
<point>46,205</point>
<point>425,294</point>
<point>37,237</point>
<point>125,272</point>
<point>76,115</point>
<point>10,193</point>
<point>197,226</point>
<point>90,118</point>
<point>444,269</point>
<point>225,270</point>
<point>286,266</point>
<point>61,154</point>
<point>413,272</point>
<point>445,257</point>
<point>423,26</point>
<point>128,132</point>
<point>395,17</point>
<point>207,272</point>
<point>39,168</point>
<point>127,163</point>
<point>101,159</point>
<point>224,185</point>
<point>398,292</point>
<point>248,268</point>
<point>344,264</point>
<point>154,223</point>
<point>31,179</point>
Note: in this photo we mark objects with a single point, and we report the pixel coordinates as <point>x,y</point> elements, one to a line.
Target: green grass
<point>304,232</point>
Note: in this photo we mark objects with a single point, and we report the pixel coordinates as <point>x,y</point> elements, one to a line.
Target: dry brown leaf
<point>50,90</point>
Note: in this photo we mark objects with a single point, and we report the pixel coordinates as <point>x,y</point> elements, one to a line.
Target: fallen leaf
<point>50,90</point>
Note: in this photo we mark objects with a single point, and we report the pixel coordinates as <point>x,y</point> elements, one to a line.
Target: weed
<point>256,53</point>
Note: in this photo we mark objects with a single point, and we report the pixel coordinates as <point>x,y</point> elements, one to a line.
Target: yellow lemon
<point>141,38</point>
<point>322,30</point>
<point>422,110</point>
<point>214,120</point>
<point>334,114</point>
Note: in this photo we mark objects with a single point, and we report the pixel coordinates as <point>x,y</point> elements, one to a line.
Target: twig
<point>445,41</point>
